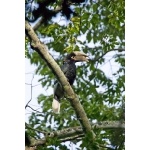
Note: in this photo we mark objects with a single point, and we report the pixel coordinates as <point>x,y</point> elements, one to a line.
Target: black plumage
<point>69,70</point>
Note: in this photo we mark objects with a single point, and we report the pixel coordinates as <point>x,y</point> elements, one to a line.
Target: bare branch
<point>34,109</point>
<point>31,93</point>
<point>42,50</point>
<point>28,84</point>
<point>36,85</point>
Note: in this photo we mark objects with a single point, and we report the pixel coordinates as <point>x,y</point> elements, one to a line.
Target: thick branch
<point>42,50</point>
<point>76,137</point>
<point>76,132</point>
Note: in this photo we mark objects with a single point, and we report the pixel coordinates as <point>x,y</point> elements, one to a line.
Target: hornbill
<point>69,70</point>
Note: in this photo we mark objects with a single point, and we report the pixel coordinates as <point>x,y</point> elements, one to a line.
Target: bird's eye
<point>73,57</point>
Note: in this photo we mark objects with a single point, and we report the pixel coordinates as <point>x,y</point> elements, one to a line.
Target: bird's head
<point>77,56</point>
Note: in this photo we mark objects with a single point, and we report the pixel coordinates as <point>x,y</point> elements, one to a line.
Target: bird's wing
<point>64,68</point>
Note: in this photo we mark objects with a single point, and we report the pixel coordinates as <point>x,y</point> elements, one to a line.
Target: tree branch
<point>42,50</point>
<point>31,93</point>
<point>101,56</point>
<point>34,109</point>
<point>76,137</point>
<point>75,132</point>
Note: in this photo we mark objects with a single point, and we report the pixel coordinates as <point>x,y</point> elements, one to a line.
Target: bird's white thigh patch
<point>56,106</point>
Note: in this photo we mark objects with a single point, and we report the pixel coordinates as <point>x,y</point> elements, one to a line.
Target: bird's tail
<point>56,106</point>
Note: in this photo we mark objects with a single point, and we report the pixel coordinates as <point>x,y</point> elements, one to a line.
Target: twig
<point>28,84</point>
<point>36,85</point>
<point>34,109</point>
<point>99,57</point>
<point>39,131</point>
<point>31,93</point>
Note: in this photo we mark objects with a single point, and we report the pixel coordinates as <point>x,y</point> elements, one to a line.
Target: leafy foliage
<point>98,30</point>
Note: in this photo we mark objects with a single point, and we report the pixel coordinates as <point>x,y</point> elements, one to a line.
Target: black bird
<point>69,69</point>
